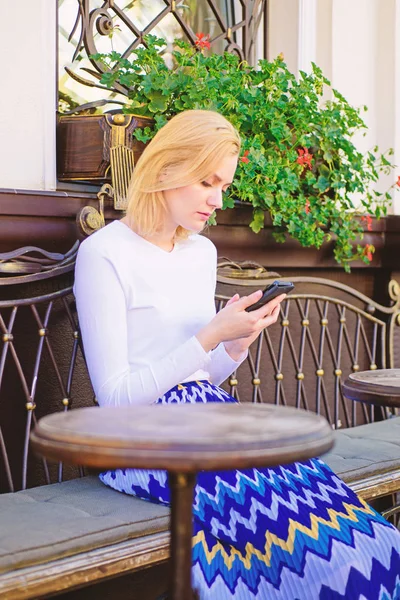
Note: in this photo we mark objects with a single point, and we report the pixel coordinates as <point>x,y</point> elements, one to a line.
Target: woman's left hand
<point>236,348</point>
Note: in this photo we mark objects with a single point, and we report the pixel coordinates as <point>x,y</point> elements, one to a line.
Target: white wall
<point>283,18</point>
<point>28,95</point>
<point>363,69</point>
<point>324,36</point>
<point>354,58</point>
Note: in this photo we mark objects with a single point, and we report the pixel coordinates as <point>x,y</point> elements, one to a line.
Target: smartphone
<point>274,289</point>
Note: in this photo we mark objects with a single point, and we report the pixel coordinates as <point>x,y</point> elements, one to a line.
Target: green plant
<point>299,161</point>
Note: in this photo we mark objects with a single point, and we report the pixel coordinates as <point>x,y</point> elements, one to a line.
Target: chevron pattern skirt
<point>293,532</point>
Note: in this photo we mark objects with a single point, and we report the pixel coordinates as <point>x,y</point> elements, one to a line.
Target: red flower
<point>244,158</point>
<point>368,220</point>
<point>307,206</point>
<point>202,40</point>
<point>304,158</point>
<point>398,181</point>
<point>368,251</point>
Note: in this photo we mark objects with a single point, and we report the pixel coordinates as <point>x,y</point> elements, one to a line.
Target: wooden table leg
<point>182,488</point>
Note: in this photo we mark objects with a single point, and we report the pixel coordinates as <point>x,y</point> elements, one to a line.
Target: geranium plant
<point>298,161</point>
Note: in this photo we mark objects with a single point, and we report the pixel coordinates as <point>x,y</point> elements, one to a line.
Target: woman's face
<point>191,206</point>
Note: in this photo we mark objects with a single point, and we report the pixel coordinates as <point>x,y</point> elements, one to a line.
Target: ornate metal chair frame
<point>363,339</point>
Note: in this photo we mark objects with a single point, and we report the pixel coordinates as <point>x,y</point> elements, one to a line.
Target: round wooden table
<point>380,387</point>
<point>183,439</point>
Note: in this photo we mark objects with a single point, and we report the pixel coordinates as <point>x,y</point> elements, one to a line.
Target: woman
<point>145,295</point>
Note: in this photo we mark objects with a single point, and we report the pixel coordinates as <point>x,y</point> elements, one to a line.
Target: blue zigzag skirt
<point>294,532</point>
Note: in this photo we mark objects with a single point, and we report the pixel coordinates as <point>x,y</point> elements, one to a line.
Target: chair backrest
<point>41,366</point>
<point>326,330</point>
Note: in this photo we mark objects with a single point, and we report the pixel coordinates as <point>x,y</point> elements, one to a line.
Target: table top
<point>381,387</point>
<point>183,437</point>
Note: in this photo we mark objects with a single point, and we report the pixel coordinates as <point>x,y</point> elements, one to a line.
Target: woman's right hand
<point>234,322</point>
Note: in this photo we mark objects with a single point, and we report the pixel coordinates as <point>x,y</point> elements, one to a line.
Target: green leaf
<point>257,222</point>
<point>324,170</point>
<point>228,202</point>
<point>158,103</point>
<point>322,183</point>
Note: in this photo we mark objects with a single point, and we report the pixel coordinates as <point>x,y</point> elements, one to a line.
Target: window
<point>90,26</point>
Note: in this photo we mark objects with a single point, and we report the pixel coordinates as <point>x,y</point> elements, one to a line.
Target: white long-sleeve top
<point>139,310</point>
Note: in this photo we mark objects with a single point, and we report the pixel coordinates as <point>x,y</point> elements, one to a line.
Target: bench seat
<point>61,536</point>
<point>367,458</point>
<point>68,534</point>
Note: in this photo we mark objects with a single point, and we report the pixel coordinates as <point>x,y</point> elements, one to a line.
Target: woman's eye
<point>206,184</point>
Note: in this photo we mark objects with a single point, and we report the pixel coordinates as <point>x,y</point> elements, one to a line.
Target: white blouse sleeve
<point>101,308</point>
<point>222,365</point>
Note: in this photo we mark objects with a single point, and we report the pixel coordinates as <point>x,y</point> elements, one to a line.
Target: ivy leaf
<point>324,170</point>
<point>158,103</point>
<point>322,183</point>
<point>228,202</point>
<point>143,135</point>
<point>279,236</point>
<point>257,222</point>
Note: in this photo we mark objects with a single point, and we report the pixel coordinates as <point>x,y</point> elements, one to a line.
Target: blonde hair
<point>183,152</point>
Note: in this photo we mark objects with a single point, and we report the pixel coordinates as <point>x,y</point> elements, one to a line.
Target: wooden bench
<point>75,532</point>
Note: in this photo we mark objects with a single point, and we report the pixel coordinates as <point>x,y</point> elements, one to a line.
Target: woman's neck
<point>162,239</point>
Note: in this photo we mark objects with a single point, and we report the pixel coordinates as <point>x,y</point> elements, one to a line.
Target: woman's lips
<point>204,216</point>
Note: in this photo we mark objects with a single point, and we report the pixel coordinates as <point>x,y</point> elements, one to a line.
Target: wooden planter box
<point>83,144</point>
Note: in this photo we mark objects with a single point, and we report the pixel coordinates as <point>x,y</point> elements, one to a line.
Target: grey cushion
<point>63,519</point>
<point>58,520</point>
<point>365,450</point>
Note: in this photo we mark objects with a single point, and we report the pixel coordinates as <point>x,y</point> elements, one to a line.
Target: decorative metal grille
<point>233,25</point>
<point>325,333</point>
<point>39,354</point>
